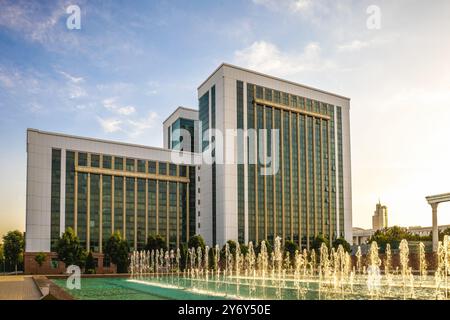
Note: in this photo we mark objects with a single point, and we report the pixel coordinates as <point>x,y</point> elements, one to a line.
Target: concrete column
<point>434,207</point>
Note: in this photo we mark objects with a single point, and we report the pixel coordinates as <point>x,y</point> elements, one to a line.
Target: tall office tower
<point>307,146</point>
<point>380,217</point>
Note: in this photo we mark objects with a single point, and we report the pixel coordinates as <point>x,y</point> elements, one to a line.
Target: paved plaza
<point>18,288</point>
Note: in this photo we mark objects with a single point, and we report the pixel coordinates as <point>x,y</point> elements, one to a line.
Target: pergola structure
<point>434,202</point>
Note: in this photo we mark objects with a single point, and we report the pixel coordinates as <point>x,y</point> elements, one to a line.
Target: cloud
<point>71,78</point>
<point>6,80</point>
<point>127,110</point>
<point>110,125</point>
<point>292,5</point>
<point>110,104</point>
<point>357,45</point>
<point>34,20</point>
<point>138,127</point>
<point>266,57</point>
<point>131,127</point>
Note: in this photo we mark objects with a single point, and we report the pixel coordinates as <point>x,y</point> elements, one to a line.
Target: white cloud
<point>266,57</point>
<point>133,128</point>
<point>138,127</point>
<point>292,5</point>
<point>357,45</point>
<point>25,18</point>
<point>127,110</point>
<point>110,125</point>
<point>72,78</point>
<point>110,104</point>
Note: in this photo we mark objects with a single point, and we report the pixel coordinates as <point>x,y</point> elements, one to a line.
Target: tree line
<point>117,249</point>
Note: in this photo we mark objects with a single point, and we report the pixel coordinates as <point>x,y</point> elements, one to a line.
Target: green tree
<point>155,243</point>
<point>118,250</point>
<point>196,241</point>
<point>268,247</point>
<point>40,258</point>
<point>343,242</point>
<point>2,258</point>
<point>443,233</point>
<point>317,242</point>
<point>13,247</point>
<point>290,246</point>
<point>69,249</point>
<point>392,235</point>
<point>211,258</point>
<point>90,264</point>
<point>244,249</point>
<point>232,247</point>
<point>183,256</point>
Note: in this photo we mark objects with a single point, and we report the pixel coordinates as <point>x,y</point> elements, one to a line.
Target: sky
<point>133,62</point>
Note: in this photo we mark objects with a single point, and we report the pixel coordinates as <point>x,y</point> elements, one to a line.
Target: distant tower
<point>380,217</point>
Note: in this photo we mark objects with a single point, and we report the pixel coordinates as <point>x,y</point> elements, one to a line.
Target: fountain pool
<point>231,274</point>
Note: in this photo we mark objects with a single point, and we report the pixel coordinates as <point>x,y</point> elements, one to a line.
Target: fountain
<point>328,273</point>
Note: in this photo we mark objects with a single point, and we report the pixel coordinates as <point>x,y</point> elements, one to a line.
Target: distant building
<point>360,236</point>
<point>426,231</point>
<point>380,217</point>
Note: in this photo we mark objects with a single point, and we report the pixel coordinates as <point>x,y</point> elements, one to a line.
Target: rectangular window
<point>130,165</point>
<point>106,209</point>
<point>118,204</point>
<point>55,197</point>
<point>203,106</point>
<point>70,188</point>
<point>94,219</point>
<point>141,165</point>
<point>95,160</point>
<point>162,168</point>
<point>118,163</point>
<point>129,218</point>
<point>82,159</point>
<point>152,167</point>
<point>152,197</point>
<point>172,169</point>
<point>182,171</point>
<point>107,162</point>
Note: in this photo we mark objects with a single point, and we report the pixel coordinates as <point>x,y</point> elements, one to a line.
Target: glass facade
<point>94,212</point>
<point>106,208</point>
<point>133,205</point>
<point>299,202</point>
<point>240,165</point>
<point>178,142</point>
<point>213,167</point>
<point>55,197</point>
<point>203,110</point>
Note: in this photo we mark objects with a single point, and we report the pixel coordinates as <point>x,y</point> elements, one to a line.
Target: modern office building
<point>219,174</point>
<point>309,194</point>
<point>98,187</point>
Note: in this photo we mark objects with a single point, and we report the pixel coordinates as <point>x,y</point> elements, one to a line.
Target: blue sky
<point>133,62</point>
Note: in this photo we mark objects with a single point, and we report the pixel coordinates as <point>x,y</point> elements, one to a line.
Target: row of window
<point>131,165</point>
<point>308,200</point>
<point>291,100</point>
